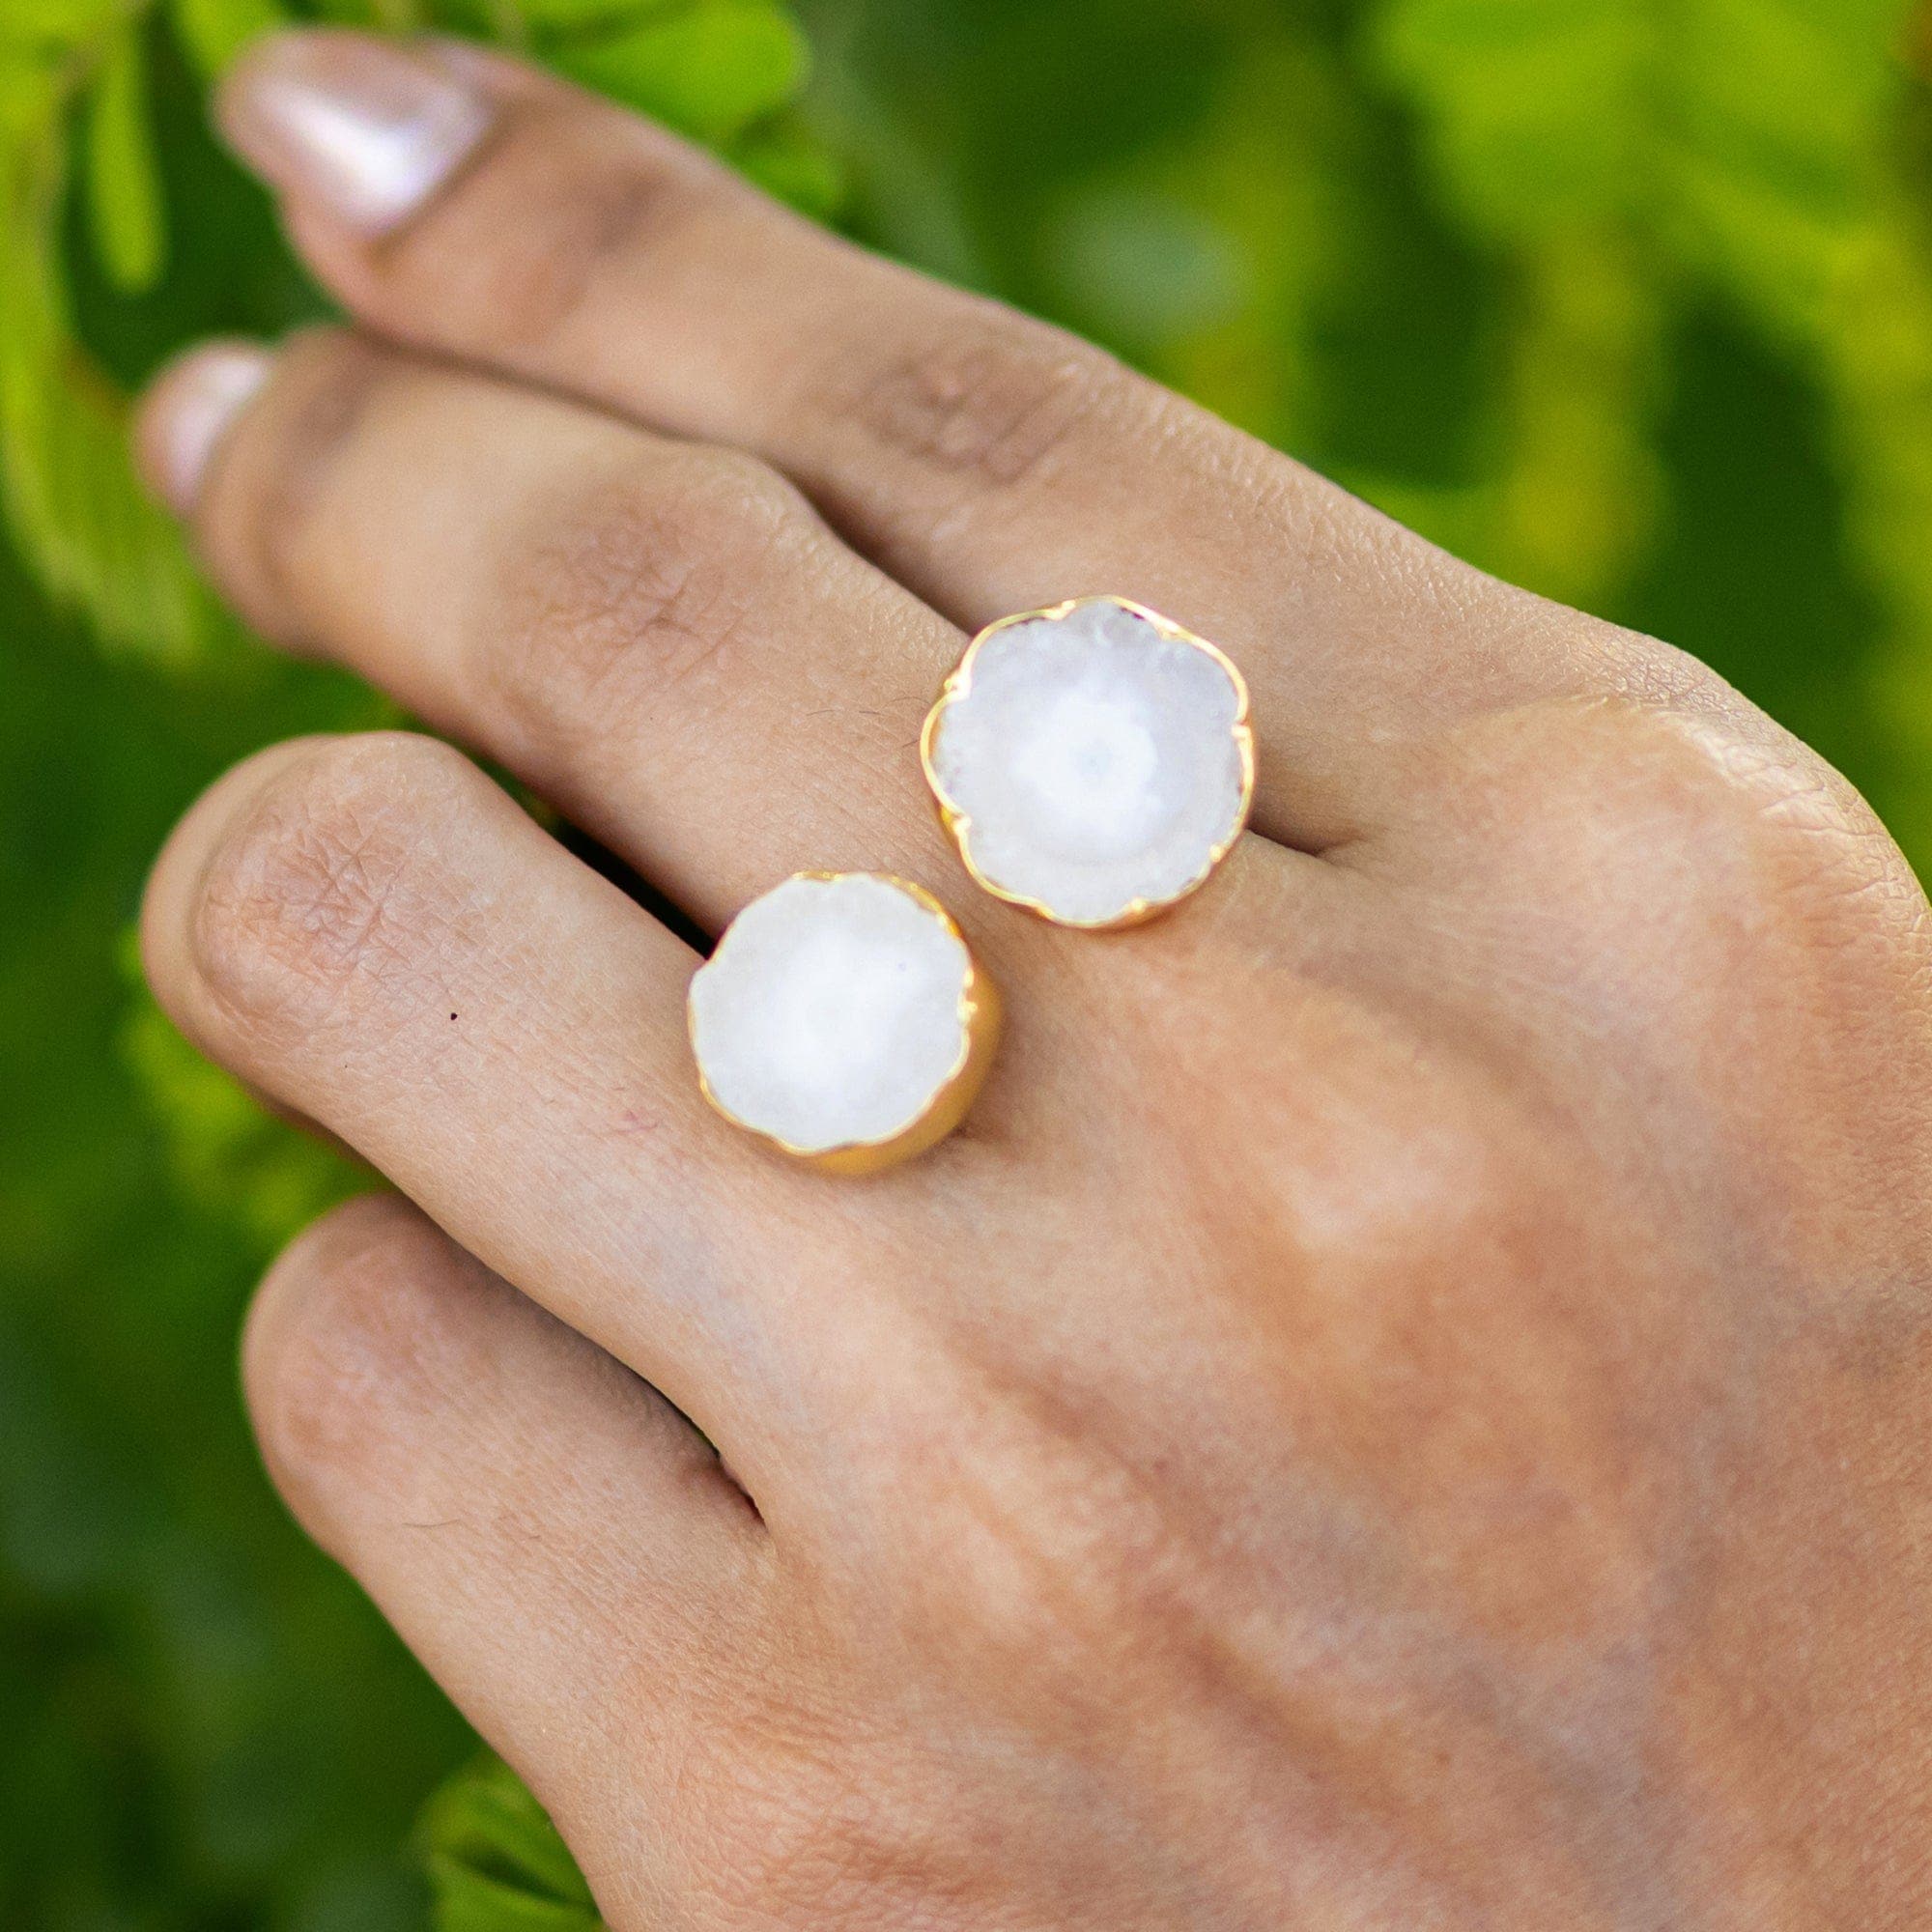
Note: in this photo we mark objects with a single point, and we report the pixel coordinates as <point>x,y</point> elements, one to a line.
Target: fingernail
<point>190,408</point>
<point>360,126</point>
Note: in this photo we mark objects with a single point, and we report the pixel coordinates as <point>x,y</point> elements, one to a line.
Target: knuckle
<point>1751,811</point>
<point>342,1338</point>
<point>1695,802</point>
<point>259,515</point>
<point>639,584</point>
<point>578,200</point>
<point>321,886</point>
<point>991,406</point>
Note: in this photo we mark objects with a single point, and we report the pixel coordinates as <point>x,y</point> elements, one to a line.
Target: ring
<point>843,1018</point>
<point>1091,761</point>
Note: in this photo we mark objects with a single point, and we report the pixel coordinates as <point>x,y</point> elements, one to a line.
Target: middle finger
<point>662,638</point>
<point>659,637</point>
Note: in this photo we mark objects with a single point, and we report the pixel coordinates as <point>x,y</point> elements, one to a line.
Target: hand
<point>1407,1404</point>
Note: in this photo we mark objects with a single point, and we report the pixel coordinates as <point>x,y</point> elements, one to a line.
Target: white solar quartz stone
<point>1092,762</point>
<point>832,1013</point>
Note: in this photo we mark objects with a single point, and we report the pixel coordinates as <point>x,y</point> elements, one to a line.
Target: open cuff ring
<point>1094,763</point>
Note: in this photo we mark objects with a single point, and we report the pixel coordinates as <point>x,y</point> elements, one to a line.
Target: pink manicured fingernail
<point>190,409</point>
<point>363,128</point>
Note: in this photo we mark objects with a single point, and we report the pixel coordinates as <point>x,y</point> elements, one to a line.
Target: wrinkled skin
<point>1408,1403</point>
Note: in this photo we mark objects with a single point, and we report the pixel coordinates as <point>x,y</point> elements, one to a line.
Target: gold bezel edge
<point>957,822</point>
<point>981,1013</point>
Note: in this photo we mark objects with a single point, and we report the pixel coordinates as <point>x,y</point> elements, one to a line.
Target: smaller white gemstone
<point>1096,760</point>
<point>829,1016</point>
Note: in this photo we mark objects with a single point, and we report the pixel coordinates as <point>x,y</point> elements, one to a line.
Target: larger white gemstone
<point>832,1013</point>
<point>1093,763</point>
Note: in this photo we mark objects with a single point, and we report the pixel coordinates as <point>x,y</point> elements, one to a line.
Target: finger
<point>549,1537</point>
<point>990,462</point>
<point>369,930</point>
<point>662,638</point>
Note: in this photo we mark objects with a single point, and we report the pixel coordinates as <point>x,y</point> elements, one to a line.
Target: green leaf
<point>57,23</point>
<point>468,1901</point>
<point>787,161</point>
<point>707,69</point>
<point>79,514</point>
<point>226,1151</point>
<point>1748,149</point>
<point>1744,134</point>
<point>215,31</point>
<point>549,19</point>
<point>494,1861</point>
<point>1531,106</point>
<point>124,196</point>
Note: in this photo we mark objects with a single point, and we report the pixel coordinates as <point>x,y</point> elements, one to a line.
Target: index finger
<point>474,206</point>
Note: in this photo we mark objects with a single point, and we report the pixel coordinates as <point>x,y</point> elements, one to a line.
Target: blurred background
<point>1630,301</point>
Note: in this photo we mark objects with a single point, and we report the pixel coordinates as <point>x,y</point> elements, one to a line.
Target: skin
<point>1409,1401</point>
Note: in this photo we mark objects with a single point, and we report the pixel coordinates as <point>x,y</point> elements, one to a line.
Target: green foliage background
<point>1630,299</point>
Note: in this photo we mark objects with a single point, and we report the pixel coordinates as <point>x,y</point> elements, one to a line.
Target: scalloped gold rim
<point>958,822</point>
<point>981,1016</point>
